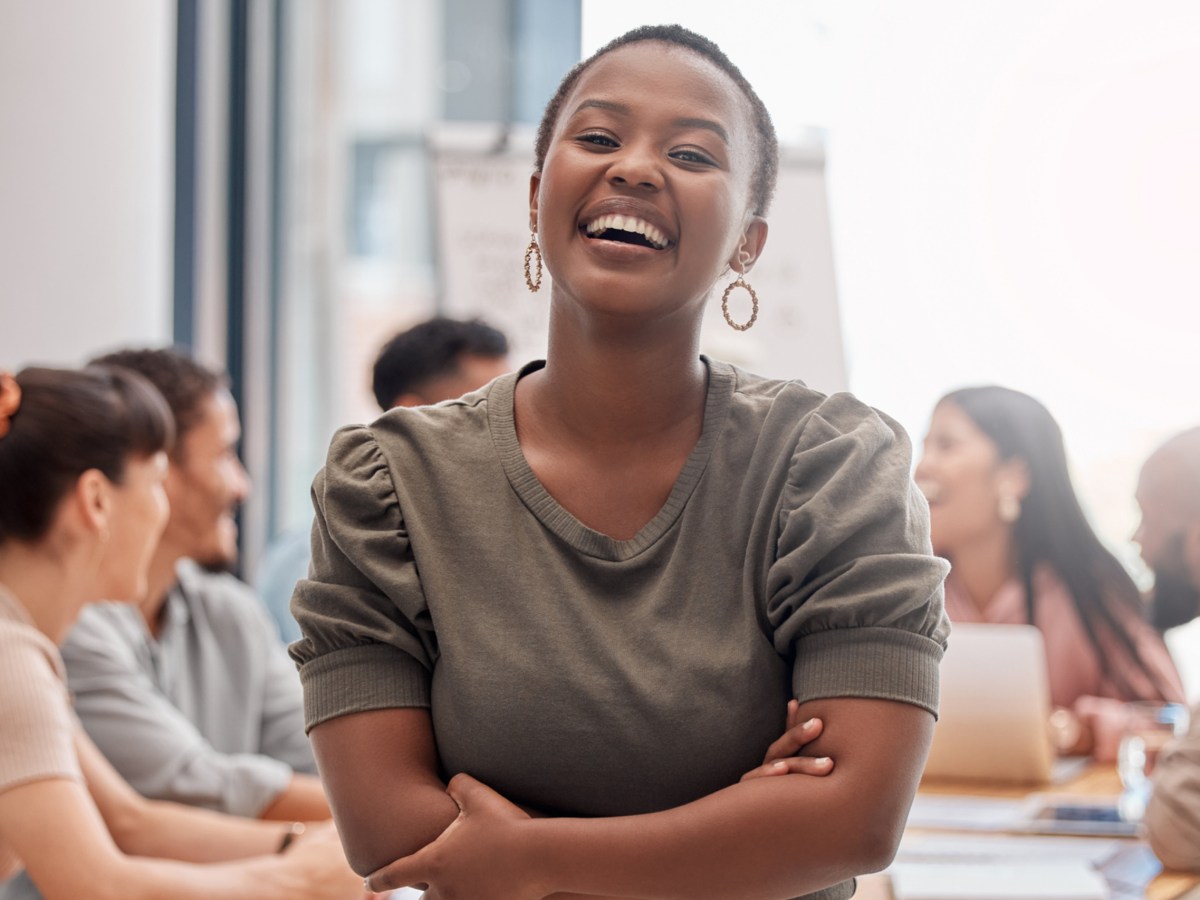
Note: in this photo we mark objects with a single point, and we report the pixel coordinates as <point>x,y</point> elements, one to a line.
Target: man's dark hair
<point>430,350</point>
<point>766,144</point>
<point>183,382</point>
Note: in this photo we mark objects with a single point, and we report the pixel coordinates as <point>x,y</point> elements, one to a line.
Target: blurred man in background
<point>1169,534</point>
<point>439,359</point>
<point>190,694</point>
<point>435,360</point>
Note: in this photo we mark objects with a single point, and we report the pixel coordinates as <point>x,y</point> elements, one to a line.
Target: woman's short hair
<point>68,422</point>
<point>766,144</point>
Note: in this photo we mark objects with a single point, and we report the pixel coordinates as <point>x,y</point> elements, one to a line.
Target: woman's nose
<point>636,167</point>
<point>922,469</point>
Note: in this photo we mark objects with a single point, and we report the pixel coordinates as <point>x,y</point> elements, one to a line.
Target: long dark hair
<point>69,421</point>
<point>1052,529</point>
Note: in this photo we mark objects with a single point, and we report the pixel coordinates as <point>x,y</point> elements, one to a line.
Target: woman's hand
<point>476,856</point>
<point>782,756</point>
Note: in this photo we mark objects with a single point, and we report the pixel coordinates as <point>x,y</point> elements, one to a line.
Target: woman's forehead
<point>663,71</point>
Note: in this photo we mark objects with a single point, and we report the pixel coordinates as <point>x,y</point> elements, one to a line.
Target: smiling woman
<point>630,621</point>
<point>1005,513</point>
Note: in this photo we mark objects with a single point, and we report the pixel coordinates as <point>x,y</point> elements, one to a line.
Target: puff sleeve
<point>854,592</point>
<point>368,640</point>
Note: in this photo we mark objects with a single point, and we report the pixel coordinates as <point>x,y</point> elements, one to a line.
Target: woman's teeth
<point>629,224</point>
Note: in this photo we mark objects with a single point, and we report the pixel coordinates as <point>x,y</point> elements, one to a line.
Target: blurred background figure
<point>439,359</point>
<point>435,360</point>
<point>1169,535</point>
<point>1004,512</point>
<point>83,464</point>
<point>190,693</point>
<point>1168,495</point>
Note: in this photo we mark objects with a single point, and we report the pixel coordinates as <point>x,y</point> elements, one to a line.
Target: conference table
<point>1094,780</point>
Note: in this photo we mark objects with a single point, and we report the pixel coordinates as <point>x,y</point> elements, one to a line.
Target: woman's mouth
<point>626,230</point>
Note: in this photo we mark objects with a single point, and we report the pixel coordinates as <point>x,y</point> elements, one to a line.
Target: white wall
<point>86,112</point>
<point>1014,197</point>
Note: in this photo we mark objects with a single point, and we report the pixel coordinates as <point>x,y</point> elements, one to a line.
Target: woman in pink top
<point>1004,512</point>
<point>82,462</point>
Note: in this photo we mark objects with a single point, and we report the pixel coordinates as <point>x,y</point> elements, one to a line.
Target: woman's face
<point>961,475</point>
<point>139,514</point>
<point>644,195</point>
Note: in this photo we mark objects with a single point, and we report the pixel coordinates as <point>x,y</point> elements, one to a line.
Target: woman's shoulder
<point>841,410</point>
<point>816,426</point>
<point>28,660</point>
<point>449,421</point>
<point>405,429</point>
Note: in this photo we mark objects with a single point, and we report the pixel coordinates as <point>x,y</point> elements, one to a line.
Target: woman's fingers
<point>793,714</point>
<point>794,765</point>
<point>405,872</point>
<point>476,798</point>
<point>793,739</point>
<point>481,810</point>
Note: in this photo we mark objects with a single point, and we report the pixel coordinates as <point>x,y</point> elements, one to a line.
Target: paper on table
<point>961,813</point>
<point>997,847</point>
<point>997,881</point>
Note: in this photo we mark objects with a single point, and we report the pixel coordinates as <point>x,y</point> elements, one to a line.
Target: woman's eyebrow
<point>623,110</point>
<point>619,108</point>
<point>707,124</point>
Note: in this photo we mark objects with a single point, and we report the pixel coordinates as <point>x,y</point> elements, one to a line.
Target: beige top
<point>36,741</point>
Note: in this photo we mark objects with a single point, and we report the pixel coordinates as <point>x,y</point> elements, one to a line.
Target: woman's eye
<point>600,140</point>
<point>692,156</point>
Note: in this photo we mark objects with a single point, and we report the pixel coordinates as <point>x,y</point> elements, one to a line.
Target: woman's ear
<point>750,247</point>
<point>535,183</point>
<point>1012,478</point>
<point>93,500</point>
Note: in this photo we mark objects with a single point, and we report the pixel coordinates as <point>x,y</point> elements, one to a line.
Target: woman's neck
<point>607,387</point>
<point>983,566</point>
<point>53,586</point>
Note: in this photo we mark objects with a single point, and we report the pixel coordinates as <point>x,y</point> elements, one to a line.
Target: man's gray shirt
<point>210,713</point>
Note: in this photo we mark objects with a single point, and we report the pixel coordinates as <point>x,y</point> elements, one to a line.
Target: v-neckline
<point>557,518</point>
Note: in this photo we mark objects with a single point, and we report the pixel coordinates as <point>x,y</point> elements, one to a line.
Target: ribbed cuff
<point>357,679</point>
<point>882,663</point>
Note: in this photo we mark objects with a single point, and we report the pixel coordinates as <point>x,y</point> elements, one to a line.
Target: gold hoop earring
<point>1008,508</point>
<point>533,280</point>
<point>741,282</point>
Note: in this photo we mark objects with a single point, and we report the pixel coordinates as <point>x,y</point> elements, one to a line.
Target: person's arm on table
<point>302,800</point>
<point>1172,820</point>
<point>158,750</point>
<point>84,860</point>
<point>143,827</point>
<point>1102,719</point>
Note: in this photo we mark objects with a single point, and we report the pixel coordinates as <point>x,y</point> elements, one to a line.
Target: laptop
<point>995,708</point>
